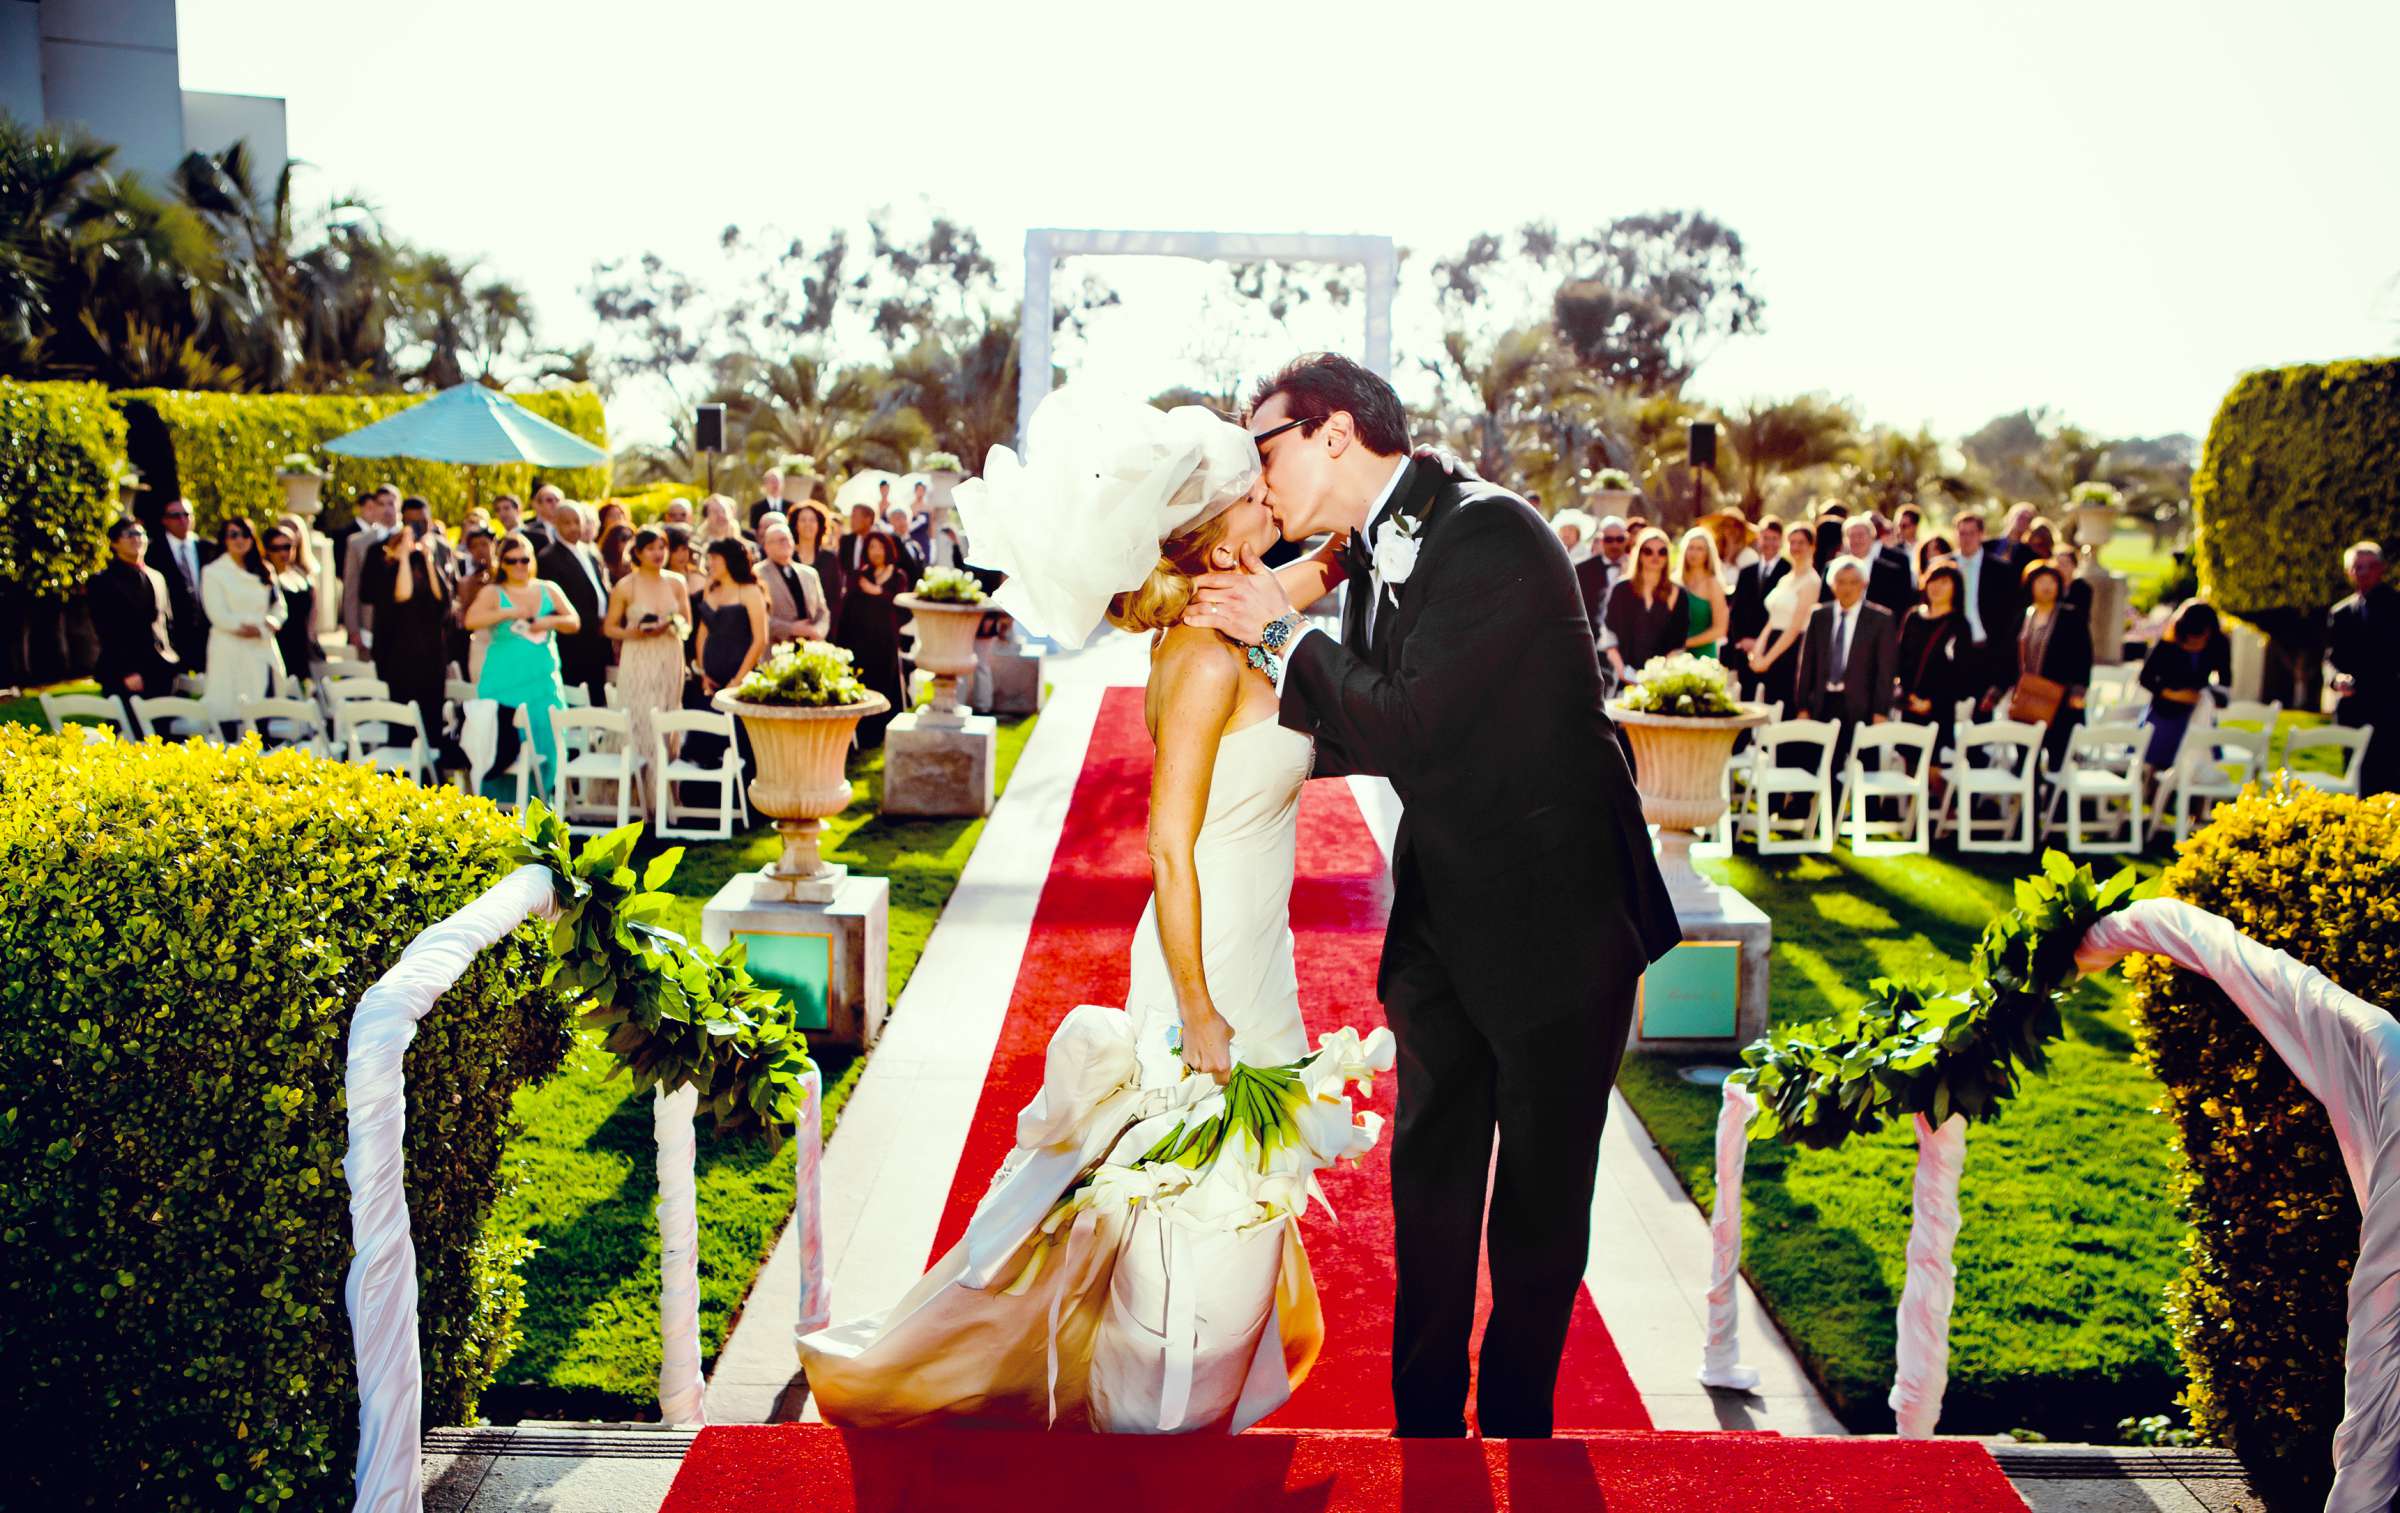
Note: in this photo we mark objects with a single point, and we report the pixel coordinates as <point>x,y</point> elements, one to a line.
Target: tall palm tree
<point>1782,436</point>
<point>966,396</point>
<point>846,418</point>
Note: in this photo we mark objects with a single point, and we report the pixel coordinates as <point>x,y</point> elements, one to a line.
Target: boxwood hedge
<point>184,931</point>
<point>221,451</point>
<point>60,448</point>
<point>2258,1312</point>
<point>2300,462</point>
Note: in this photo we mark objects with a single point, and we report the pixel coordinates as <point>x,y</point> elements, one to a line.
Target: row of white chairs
<point>2100,797</point>
<point>369,728</point>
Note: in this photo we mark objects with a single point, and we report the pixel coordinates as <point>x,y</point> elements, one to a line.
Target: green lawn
<point>582,1167</point>
<point>2069,1231</point>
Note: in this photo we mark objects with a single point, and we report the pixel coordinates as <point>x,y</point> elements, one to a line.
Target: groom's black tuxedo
<point>1526,903</point>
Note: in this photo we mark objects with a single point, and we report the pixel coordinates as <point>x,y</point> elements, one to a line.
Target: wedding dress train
<point>1103,1282</point>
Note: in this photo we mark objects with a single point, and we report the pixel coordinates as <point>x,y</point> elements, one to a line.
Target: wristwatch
<point>1278,633</point>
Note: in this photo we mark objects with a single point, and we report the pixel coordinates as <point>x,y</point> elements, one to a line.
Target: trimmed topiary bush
<point>184,931</point>
<point>2300,462</point>
<point>2258,1313</point>
<point>221,451</point>
<point>60,449</point>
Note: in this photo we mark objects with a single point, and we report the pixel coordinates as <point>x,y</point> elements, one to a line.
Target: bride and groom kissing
<point>1525,905</point>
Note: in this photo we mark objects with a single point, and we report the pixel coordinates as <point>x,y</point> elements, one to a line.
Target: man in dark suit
<point>1829,522</point>
<point>410,590</point>
<point>854,545</point>
<point>2364,631</point>
<point>1889,582</point>
<point>1992,603</point>
<point>1849,659</point>
<point>378,514</point>
<point>132,613</point>
<point>575,566</point>
<point>1600,572</point>
<point>769,502</point>
<point>1746,616</point>
<point>1526,899</point>
<point>179,555</point>
<point>542,529</point>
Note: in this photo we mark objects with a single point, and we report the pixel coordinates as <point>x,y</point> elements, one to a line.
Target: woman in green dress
<point>526,616</point>
<point>1709,611</point>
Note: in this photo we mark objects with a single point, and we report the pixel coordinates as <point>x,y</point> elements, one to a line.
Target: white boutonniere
<point>1396,552</point>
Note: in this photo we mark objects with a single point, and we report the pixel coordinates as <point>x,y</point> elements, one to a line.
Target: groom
<point>1526,901</point>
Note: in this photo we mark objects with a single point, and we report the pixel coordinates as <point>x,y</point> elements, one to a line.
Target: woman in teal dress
<point>520,670</point>
<point>1709,611</point>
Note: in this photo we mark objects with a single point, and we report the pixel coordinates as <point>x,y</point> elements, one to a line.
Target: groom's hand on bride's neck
<point>1239,604</point>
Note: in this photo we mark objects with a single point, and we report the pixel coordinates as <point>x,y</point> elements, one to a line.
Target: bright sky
<point>1952,209</point>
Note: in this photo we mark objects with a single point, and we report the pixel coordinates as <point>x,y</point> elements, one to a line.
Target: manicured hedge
<point>221,451</point>
<point>60,447</point>
<point>2300,462</point>
<point>2258,1311</point>
<point>184,931</point>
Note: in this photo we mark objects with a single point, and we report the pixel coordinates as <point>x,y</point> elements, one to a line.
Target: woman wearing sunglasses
<point>244,610</point>
<point>1648,612</point>
<point>526,616</point>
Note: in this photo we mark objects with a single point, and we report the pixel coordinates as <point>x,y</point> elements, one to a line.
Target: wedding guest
<point>1746,608</point>
<point>296,639</point>
<point>1790,602</point>
<point>1704,591</point>
<point>2363,634</point>
<point>648,610</point>
<point>507,515</point>
<point>796,604</point>
<point>2191,662</point>
<point>1934,656</point>
<point>1598,574</point>
<point>1934,548</point>
<point>2057,645</point>
<point>1908,534</point>
<point>1736,540</point>
<point>1848,660</point>
<point>378,517</point>
<point>1831,518</point>
<point>1990,602</point>
<point>1648,615</point>
<point>180,558</point>
<point>482,566</point>
<point>1575,531</point>
<point>410,592</point>
<point>899,525</point>
<point>542,529</point>
<point>853,547</point>
<point>477,518</point>
<point>920,522</point>
<point>770,500</point>
<point>417,515</point>
<point>133,616</point>
<point>612,515</point>
<point>870,628</point>
<point>574,568</point>
<point>677,512</point>
<point>716,524</point>
<point>244,612</point>
<point>1890,582</point>
<point>616,546</point>
<point>525,616</point>
<point>730,620</point>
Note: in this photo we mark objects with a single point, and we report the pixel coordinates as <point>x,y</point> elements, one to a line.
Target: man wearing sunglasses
<point>1526,901</point>
<point>179,554</point>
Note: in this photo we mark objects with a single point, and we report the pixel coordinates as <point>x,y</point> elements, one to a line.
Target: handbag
<point>2036,699</point>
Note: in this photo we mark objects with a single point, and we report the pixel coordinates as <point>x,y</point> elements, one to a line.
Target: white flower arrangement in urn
<point>1682,684</point>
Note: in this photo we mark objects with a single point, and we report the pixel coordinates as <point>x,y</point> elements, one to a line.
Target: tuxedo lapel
<point>1428,494</point>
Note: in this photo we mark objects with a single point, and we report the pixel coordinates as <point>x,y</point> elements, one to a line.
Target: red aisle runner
<point>1079,952</point>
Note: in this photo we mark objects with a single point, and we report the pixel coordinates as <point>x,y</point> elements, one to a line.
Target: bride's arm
<point>1313,576</point>
<point>1198,683</point>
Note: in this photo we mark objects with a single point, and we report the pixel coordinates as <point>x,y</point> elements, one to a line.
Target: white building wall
<point>109,66</point>
<point>213,122</point>
<point>21,61</point>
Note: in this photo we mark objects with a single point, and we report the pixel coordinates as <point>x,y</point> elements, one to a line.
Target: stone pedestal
<point>827,958</point>
<point>939,764</point>
<point>1016,681</point>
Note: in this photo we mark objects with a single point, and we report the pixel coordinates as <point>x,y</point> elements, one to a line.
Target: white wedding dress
<point>1092,1290</point>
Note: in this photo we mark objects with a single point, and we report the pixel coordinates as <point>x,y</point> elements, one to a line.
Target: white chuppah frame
<point>1044,246</point>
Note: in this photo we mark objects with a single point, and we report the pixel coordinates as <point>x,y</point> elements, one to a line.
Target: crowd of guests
<point>1863,618</point>
<point>525,602</point>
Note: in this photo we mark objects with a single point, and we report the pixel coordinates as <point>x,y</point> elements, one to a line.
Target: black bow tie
<point>1357,561</point>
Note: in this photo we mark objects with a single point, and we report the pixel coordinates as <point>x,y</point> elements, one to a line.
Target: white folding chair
<point>172,718</point>
<point>679,820</point>
<point>1910,785</point>
<point>594,746</point>
<point>1735,788</point>
<point>285,722</point>
<point>522,769</point>
<point>2003,782</point>
<point>2262,714</point>
<point>2102,767</point>
<point>348,667</point>
<point>2348,742</point>
<point>60,708</point>
<point>1771,780</point>
<point>384,750</point>
<point>2214,765</point>
<point>337,690</point>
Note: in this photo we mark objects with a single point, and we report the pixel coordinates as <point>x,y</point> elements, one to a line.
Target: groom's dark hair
<point>1315,386</point>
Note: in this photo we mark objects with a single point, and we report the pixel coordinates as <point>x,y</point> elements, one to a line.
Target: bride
<point>1135,1265</point>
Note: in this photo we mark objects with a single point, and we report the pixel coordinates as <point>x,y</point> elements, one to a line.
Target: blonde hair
<point>1683,553</point>
<point>1167,592</point>
<point>1668,571</point>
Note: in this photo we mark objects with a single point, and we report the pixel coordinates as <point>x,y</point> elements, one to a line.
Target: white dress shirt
<point>1374,582</point>
<point>1970,567</point>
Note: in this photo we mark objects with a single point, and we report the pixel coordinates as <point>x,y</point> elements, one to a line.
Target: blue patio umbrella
<point>474,425</point>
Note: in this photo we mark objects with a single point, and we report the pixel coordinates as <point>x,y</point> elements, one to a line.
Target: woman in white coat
<point>244,611</point>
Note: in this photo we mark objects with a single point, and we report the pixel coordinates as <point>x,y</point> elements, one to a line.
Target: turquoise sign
<point>799,966</point>
<point>1690,993</point>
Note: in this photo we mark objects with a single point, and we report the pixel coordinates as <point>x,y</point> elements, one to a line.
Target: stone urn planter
<point>803,753</point>
<point>1679,767</point>
<point>946,648</point>
<point>303,493</point>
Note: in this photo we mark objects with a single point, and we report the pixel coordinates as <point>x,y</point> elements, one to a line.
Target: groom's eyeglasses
<point>1270,433</point>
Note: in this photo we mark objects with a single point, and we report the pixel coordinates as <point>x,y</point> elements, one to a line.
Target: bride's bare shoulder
<point>1191,670</point>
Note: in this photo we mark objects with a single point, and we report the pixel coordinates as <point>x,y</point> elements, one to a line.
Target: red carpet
<point>811,1467</point>
<point>1082,932</point>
